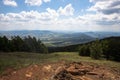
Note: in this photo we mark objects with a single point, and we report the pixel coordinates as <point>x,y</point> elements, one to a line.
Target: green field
<point>18,60</point>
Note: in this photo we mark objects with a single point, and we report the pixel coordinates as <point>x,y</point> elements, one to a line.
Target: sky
<point>64,15</point>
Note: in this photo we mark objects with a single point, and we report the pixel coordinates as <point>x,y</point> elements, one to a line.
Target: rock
<point>48,68</point>
<point>29,74</point>
<point>63,75</point>
<point>92,73</point>
<point>75,72</point>
<point>85,78</point>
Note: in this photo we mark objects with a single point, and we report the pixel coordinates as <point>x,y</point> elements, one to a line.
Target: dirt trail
<point>63,71</point>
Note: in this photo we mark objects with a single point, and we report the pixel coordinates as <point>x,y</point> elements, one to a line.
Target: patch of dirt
<point>63,71</point>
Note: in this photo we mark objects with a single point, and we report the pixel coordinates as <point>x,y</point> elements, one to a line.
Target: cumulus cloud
<point>50,14</point>
<point>67,10</point>
<point>36,2</point>
<point>39,20</point>
<point>28,20</point>
<point>10,3</point>
<point>107,12</point>
<point>51,19</point>
<point>106,6</point>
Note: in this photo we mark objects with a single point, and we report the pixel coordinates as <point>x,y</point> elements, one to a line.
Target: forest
<point>25,59</point>
<point>18,44</point>
<point>108,48</point>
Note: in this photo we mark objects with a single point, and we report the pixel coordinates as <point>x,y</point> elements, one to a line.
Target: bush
<point>108,48</point>
<point>96,50</point>
<point>84,50</point>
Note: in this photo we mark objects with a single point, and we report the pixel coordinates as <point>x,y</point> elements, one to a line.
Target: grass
<point>18,60</point>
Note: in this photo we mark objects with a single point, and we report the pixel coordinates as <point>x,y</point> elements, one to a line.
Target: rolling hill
<point>60,38</point>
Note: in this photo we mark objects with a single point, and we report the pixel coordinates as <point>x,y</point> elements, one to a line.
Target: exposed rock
<point>28,74</point>
<point>64,71</point>
<point>92,73</point>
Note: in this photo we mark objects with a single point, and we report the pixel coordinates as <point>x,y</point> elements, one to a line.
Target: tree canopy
<point>27,44</point>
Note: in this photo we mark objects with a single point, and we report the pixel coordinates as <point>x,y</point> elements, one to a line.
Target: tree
<point>96,50</point>
<point>106,48</point>
<point>84,50</point>
<point>16,43</point>
<point>34,45</point>
<point>4,44</point>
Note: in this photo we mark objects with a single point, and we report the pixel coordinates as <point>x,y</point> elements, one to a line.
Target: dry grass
<point>20,59</point>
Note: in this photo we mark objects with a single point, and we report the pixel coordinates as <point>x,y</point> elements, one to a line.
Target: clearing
<point>56,66</point>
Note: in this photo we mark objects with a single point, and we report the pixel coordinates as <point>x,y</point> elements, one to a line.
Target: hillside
<point>65,65</point>
<point>56,66</point>
<point>107,48</point>
<point>60,38</point>
<point>52,38</point>
<point>72,48</point>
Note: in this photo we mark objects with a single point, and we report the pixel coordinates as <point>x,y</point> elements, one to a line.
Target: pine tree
<point>96,50</point>
<point>84,50</point>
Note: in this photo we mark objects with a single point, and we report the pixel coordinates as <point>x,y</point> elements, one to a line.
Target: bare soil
<point>62,71</point>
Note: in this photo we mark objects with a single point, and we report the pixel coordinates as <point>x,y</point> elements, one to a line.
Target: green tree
<point>106,48</point>
<point>96,50</point>
<point>16,43</point>
<point>84,50</point>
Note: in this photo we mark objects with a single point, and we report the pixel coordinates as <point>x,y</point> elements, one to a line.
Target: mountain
<point>60,38</point>
<point>114,41</point>
<point>101,35</point>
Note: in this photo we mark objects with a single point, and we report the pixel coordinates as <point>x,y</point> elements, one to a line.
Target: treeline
<point>108,48</point>
<point>18,44</point>
<point>70,48</point>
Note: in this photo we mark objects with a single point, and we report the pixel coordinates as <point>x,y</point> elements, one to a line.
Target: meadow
<point>17,60</point>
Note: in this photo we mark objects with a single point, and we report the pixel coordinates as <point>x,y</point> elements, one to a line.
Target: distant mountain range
<point>54,38</point>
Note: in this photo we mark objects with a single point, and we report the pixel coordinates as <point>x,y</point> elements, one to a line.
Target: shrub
<point>84,50</point>
<point>96,50</point>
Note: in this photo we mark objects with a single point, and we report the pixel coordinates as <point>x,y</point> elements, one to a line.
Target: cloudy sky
<point>70,15</point>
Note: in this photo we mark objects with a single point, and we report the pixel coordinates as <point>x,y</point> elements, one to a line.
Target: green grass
<point>18,60</point>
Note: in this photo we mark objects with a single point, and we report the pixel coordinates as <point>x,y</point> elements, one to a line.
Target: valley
<point>60,38</point>
<point>59,55</point>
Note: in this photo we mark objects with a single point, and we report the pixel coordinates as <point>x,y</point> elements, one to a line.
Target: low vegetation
<point>18,60</point>
<point>19,52</point>
<point>106,48</point>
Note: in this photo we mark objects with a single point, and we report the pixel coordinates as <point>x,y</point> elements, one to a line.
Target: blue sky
<point>68,15</point>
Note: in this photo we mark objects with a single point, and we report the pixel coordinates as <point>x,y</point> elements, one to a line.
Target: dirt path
<point>63,71</point>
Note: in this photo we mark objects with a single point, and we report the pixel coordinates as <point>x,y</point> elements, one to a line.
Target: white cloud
<point>53,13</point>
<point>105,6</point>
<point>67,10</point>
<point>10,3</point>
<point>51,20</point>
<point>46,0</point>
<point>107,14</point>
<point>33,2</point>
<point>49,15</point>
<point>36,2</point>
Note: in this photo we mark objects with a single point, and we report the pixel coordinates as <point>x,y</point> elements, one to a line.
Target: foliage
<point>113,49</point>
<point>27,44</point>
<point>96,50</point>
<point>84,50</point>
<point>108,48</point>
<point>18,60</point>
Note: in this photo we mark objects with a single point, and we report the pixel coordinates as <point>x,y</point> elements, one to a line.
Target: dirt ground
<point>63,71</point>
